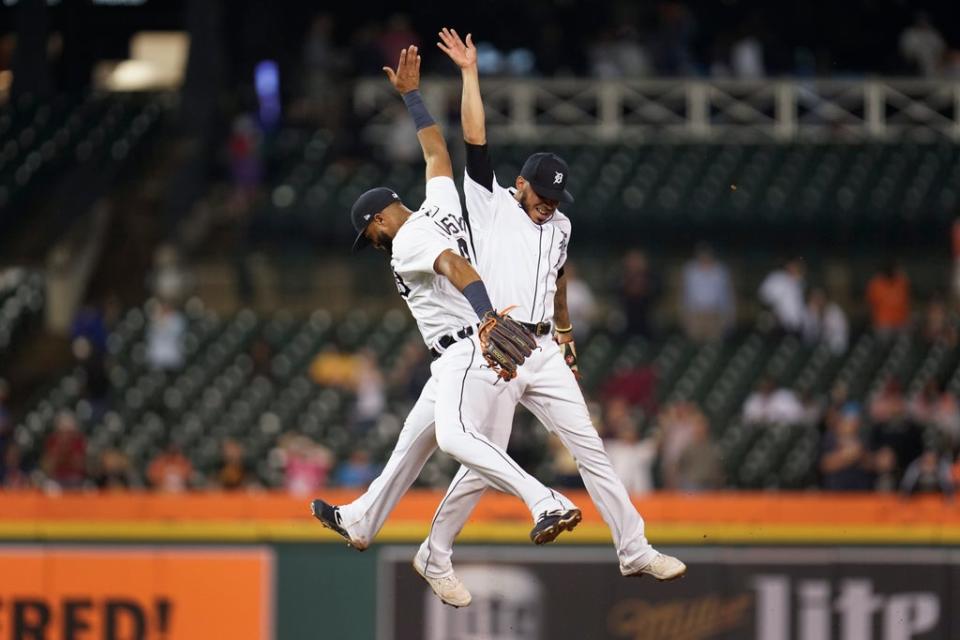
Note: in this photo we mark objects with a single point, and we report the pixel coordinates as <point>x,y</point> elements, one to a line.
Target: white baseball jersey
<point>517,258</point>
<point>438,225</point>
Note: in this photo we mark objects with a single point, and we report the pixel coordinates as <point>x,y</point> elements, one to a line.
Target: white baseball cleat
<point>662,567</point>
<point>449,589</point>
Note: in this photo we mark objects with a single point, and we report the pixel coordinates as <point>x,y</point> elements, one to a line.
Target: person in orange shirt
<point>888,294</point>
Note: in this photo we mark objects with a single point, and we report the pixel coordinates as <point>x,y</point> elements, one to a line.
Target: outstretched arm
<point>464,55</point>
<point>406,80</point>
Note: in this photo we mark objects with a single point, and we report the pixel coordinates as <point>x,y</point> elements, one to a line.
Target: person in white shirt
<point>824,321</point>
<point>708,302</point>
<point>431,262</point>
<point>922,46</point>
<point>771,405</point>
<point>782,291</point>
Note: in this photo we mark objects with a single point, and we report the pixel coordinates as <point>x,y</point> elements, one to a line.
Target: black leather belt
<point>539,329</point>
<point>449,339</point>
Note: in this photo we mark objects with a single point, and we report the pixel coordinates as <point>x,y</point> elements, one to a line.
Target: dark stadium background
<point>188,353</point>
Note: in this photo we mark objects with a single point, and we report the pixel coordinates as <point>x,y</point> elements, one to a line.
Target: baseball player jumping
<point>431,262</point>
<point>521,241</point>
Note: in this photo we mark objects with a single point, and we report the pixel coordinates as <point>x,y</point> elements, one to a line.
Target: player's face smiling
<point>540,210</point>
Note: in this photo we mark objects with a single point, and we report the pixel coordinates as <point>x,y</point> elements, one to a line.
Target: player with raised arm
<point>521,240</point>
<point>430,258</point>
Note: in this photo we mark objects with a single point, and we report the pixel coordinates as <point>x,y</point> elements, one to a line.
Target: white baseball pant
<point>558,404</point>
<point>458,399</point>
<point>547,387</point>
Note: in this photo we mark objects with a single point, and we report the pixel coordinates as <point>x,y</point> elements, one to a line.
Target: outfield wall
<point>770,566</point>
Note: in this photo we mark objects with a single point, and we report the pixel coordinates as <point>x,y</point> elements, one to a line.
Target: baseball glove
<point>505,343</point>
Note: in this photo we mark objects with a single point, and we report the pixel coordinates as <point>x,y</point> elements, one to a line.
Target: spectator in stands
<point>632,458</point>
<point>357,471</point>
<point>938,326</point>
<point>922,46</point>
<point>886,470</point>
<point>699,467</point>
<point>930,473</point>
<point>169,280</point>
<point>769,404</point>
<point>838,402</point>
<point>935,408</point>
<point>782,292</point>
<point>888,295</point>
<point>679,425</point>
<point>64,460</point>
<point>371,396</point>
<point>113,470</point>
<point>170,471</point>
<point>581,304</point>
<point>639,289</point>
<point>13,469</point>
<point>165,334</point>
<point>746,53</point>
<point>617,53</point>
<point>709,307</point>
<point>824,321</point>
<point>845,462</point>
<point>334,368</point>
<point>891,426</point>
<point>234,472</point>
<point>307,465</point>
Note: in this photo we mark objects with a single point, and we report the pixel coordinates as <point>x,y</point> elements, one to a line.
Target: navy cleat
<point>552,524</point>
<point>329,517</point>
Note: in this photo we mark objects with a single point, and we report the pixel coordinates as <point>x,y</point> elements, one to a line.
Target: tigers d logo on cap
<point>547,174</point>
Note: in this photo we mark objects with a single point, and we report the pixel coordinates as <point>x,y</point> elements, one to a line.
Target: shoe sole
<point>439,597</point>
<point>640,574</point>
<point>568,523</point>
<point>327,525</point>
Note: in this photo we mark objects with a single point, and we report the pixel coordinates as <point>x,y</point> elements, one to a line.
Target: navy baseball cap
<point>368,205</point>
<point>547,174</point>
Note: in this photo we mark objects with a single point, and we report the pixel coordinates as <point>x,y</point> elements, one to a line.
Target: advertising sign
<point>731,593</point>
<point>135,593</point>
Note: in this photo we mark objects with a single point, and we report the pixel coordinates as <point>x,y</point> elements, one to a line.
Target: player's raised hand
<point>463,54</point>
<point>407,76</point>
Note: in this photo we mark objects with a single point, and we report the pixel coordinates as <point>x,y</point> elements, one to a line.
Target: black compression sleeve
<point>479,167</point>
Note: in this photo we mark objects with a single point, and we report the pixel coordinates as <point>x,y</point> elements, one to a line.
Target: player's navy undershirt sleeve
<point>479,167</point>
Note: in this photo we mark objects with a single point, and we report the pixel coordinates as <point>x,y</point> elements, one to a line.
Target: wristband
<point>476,295</point>
<point>418,110</point>
<point>564,330</point>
